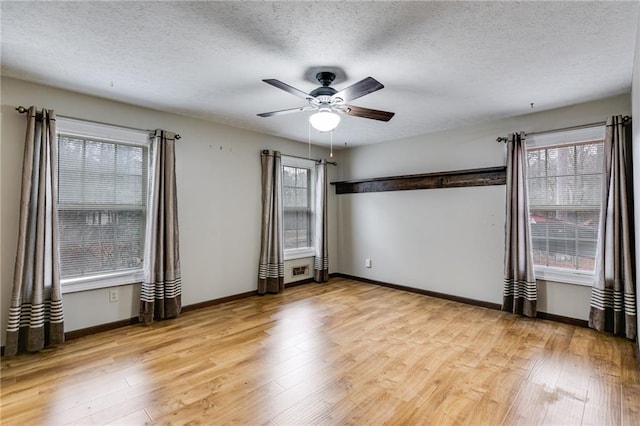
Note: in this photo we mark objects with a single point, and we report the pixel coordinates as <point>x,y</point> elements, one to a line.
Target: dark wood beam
<point>454,179</point>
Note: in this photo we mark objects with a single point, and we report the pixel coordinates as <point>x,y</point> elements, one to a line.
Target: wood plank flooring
<point>339,353</point>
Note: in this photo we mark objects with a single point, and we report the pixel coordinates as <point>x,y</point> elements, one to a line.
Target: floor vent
<point>299,270</point>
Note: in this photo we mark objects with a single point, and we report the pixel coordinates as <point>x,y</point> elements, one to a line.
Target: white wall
<point>218,175</point>
<point>447,240</point>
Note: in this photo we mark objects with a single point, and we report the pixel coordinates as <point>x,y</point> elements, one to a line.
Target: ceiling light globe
<point>324,120</point>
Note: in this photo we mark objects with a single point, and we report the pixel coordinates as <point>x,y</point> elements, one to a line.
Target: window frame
<point>123,136</point>
<point>303,252</point>
<point>559,139</point>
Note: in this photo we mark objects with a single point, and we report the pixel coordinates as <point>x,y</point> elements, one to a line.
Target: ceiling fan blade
<point>359,89</point>
<point>369,113</point>
<point>286,111</point>
<point>287,88</point>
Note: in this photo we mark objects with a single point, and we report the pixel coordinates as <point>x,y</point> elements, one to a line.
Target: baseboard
<point>75,334</point>
<point>219,301</point>
<point>301,282</point>
<point>565,320</point>
<point>474,302</point>
<point>82,332</point>
<point>445,296</point>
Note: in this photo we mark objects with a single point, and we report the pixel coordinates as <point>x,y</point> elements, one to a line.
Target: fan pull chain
<point>309,155</point>
<point>331,153</point>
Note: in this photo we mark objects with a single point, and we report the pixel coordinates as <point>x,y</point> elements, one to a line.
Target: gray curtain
<point>161,291</point>
<point>321,264</point>
<point>613,294</point>
<point>35,311</point>
<point>271,263</point>
<point>520,291</point>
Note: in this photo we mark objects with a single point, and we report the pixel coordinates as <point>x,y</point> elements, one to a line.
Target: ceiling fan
<point>328,101</point>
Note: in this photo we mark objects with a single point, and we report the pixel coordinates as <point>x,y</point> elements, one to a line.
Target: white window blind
<point>102,200</point>
<point>565,191</point>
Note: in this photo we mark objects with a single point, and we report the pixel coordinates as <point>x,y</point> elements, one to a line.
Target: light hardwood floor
<point>339,353</point>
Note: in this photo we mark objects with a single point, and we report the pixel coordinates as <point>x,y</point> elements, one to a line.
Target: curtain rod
<point>625,119</point>
<point>23,110</point>
<point>333,163</point>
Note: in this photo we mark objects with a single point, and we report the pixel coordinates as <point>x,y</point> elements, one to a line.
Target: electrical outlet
<point>367,263</point>
<point>113,295</point>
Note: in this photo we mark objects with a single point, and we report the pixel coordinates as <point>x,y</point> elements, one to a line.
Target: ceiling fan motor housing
<point>325,78</point>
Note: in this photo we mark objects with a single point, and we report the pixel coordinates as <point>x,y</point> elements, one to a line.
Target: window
<point>102,204</point>
<point>565,191</point>
<point>297,182</point>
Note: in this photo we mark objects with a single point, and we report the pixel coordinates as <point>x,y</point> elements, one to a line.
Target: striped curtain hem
<point>270,278</point>
<point>321,269</point>
<point>160,300</point>
<point>520,288</point>
<point>613,312</point>
<point>270,270</point>
<point>160,290</point>
<point>33,316</point>
<point>32,327</point>
<point>520,297</point>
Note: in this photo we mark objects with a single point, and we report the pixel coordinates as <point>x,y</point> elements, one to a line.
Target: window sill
<point>93,282</point>
<point>299,253</point>
<point>564,276</point>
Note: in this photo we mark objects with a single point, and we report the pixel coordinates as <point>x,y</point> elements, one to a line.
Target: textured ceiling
<point>443,64</point>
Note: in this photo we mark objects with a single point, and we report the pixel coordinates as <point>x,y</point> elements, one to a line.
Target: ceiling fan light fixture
<point>324,120</point>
